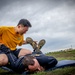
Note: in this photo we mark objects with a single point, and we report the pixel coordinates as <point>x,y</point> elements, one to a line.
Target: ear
<point>26,69</point>
<point>19,26</point>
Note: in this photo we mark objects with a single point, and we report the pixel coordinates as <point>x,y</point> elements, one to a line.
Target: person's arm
<point>15,63</point>
<point>12,60</point>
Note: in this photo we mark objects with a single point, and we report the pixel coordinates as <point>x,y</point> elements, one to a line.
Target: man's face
<point>35,67</point>
<point>22,29</point>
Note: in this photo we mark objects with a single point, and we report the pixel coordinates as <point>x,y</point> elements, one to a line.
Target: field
<point>61,55</point>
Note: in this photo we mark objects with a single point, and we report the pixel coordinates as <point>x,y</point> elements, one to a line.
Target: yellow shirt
<point>10,38</point>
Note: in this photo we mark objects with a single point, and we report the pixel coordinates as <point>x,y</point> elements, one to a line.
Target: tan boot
<point>40,45</point>
<point>31,42</point>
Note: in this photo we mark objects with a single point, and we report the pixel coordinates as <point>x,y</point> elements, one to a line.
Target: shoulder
<point>6,27</point>
<point>3,28</point>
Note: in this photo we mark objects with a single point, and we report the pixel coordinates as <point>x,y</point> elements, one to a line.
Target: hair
<point>28,60</point>
<point>25,22</point>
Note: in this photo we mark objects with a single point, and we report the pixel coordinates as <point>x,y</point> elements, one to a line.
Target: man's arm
<point>15,63</point>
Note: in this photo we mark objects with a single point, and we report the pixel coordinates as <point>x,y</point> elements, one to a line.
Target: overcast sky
<point>52,20</point>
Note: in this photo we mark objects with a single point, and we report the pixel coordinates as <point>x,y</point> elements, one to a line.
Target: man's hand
<point>24,42</point>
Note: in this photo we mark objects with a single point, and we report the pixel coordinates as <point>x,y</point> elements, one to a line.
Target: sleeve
<point>15,63</point>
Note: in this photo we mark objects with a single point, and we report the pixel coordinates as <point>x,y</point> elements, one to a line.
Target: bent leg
<point>23,52</point>
<point>3,59</point>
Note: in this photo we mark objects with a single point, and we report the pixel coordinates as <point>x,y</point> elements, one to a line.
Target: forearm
<point>12,60</point>
<point>16,64</point>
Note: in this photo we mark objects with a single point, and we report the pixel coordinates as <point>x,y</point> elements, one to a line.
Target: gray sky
<point>52,20</point>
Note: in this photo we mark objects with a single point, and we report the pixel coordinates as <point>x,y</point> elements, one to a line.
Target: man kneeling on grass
<point>33,62</point>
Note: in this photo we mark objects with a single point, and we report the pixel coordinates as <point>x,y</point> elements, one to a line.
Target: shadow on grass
<point>9,73</point>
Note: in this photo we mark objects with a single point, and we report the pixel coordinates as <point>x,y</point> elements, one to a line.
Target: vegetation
<point>62,55</point>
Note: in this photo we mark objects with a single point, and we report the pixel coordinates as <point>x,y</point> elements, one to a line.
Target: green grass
<point>60,55</point>
<point>62,71</point>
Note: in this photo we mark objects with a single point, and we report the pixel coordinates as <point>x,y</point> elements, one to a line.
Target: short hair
<point>28,60</point>
<point>25,22</point>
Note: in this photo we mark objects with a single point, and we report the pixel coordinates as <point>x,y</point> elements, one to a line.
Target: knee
<point>3,60</point>
<point>24,52</point>
<point>28,52</point>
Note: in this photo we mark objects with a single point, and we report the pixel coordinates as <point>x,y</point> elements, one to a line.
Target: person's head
<point>31,63</point>
<point>23,26</point>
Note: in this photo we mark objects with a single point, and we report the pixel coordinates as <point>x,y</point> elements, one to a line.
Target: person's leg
<point>24,52</point>
<point>31,42</point>
<point>3,56</point>
<point>21,52</point>
<point>41,44</point>
<point>3,59</point>
<point>36,46</point>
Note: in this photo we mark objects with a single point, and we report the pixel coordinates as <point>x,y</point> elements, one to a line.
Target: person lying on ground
<point>32,62</point>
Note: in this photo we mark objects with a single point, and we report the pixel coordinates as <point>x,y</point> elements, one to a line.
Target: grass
<point>62,71</point>
<point>60,55</point>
